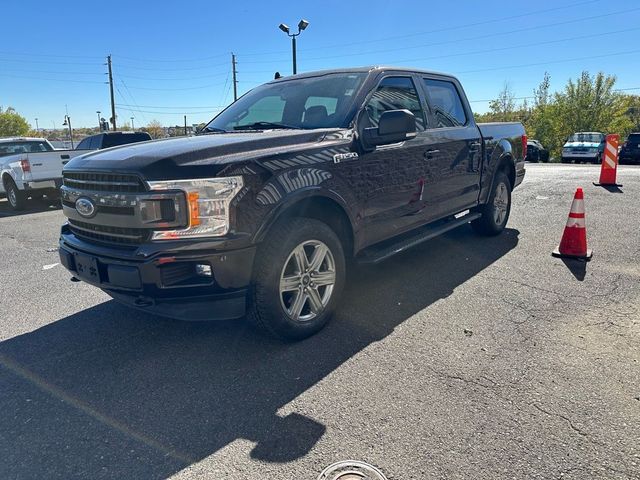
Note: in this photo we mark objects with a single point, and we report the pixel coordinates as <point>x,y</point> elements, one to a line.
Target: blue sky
<point>173,58</point>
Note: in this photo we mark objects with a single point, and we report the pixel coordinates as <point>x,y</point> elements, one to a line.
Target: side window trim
<point>416,85</point>
<point>433,124</point>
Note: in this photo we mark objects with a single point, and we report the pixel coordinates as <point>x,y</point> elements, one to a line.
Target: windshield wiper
<point>210,129</point>
<point>264,126</point>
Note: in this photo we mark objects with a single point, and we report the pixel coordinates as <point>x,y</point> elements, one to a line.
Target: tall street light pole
<point>67,123</point>
<point>302,25</point>
<point>132,127</point>
<point>37,127</point>
<point>99,123</point>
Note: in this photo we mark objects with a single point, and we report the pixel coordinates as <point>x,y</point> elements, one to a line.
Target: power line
<point>174,79</point>
<point>177,69</point>
<point>172,107</point>
<point>507,67</point>
<point>51,79</point>
<point>512,47</point>
<point>181,112</point>
<point>458,40</point>
<point>133,99</point>
<point>176,89</point>
<point>428,32</point>
<point>181,60</point>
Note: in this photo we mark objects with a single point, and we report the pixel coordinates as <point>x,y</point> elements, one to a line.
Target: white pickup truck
<point>31,167</point>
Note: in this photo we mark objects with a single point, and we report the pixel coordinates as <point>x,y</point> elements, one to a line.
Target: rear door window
<point>95,143</point>
<point>446,104</point>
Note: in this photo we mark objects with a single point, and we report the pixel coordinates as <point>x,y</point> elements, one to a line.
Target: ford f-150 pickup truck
<point>30,167</point>
<point>260,213</point>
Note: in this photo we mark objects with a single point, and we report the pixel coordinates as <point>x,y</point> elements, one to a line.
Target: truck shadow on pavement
<point>32,206</point>
<point>113,393</point>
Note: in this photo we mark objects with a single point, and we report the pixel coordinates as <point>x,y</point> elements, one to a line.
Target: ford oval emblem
<point>85,207</point>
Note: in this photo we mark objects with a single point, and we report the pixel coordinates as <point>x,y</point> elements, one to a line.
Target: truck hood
<point>581,145</point>
<point>195,157</point>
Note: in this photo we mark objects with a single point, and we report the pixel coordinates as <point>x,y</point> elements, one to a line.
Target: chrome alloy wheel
<point>12,196</point>
<point>307,280</point>
<point>500,203</point>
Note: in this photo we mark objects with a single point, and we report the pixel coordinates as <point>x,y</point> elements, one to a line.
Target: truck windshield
<point>11,148</point>
<point>586,137</point>
<point>304,103</point>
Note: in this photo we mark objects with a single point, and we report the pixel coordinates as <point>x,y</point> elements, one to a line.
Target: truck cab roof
<point>365,69</point>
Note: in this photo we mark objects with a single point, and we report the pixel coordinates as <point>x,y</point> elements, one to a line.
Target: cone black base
<point>607,184</point>
<point>586,258</point>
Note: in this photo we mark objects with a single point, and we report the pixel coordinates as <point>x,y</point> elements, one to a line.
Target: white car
<point>31,167</point>
<point>584,147</point>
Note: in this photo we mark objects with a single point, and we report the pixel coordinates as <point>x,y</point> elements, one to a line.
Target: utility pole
<point>235,79</point>
<point>185,125</point>
<point>37,127</point>
<point>132,127</point>
<point>113,102</point>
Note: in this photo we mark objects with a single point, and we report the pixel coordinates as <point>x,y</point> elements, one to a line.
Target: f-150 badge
<point>340,157</point>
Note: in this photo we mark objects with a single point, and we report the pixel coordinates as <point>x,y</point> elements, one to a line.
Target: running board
<point>382,251</point>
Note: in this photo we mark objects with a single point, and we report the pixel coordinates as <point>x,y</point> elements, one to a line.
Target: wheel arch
<point>321,205</point>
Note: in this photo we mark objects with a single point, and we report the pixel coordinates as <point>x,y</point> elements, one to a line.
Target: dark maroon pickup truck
<point>258,214</point>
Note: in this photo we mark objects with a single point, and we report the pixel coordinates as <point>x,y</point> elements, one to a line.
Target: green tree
<point>12,124</point>
<point>586,105</point>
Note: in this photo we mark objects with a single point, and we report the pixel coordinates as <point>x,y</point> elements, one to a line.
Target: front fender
<point>299,195</point>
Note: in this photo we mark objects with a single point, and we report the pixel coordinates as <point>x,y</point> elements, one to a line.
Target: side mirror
<point>394,126</point>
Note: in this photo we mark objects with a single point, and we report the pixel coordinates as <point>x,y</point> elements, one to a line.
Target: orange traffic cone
<point>609,166</point>
<point>574,238</point>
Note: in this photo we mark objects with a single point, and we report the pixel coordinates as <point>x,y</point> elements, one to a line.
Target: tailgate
<point>48,165</point>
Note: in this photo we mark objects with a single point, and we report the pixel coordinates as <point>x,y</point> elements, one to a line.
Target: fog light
<point>203,270</point>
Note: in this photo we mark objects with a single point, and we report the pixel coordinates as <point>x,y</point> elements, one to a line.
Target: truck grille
<point>111,235</point>
<point>103,182</point>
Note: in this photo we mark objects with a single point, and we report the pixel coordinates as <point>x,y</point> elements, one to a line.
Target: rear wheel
<point>17,199</point>
<point>298,277</point>
<point>495,212</point>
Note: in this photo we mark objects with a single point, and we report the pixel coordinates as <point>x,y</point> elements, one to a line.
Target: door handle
<point>64,157</point>
<point>430,153</point>
<point>36,164</point>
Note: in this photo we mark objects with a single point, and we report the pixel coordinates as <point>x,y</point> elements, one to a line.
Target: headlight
<point>208,202</point>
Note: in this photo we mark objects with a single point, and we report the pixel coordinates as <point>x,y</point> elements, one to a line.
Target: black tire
<point>491,223</point>
<point>53,198</point>
<point>270,308</point>
<point>598,159</point>
<point>17,198</point>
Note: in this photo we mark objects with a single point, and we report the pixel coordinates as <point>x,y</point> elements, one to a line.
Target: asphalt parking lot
<point>465,358</point>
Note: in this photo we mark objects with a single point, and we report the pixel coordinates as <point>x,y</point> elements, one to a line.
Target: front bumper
<point>165,282</point>
<point>49,184</point>
<point>581,156</point>
<point>630,157</point>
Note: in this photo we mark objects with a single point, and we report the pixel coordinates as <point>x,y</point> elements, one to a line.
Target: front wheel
<point>495,212</point>
<point>17,199</point>
<point>298,277</point>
